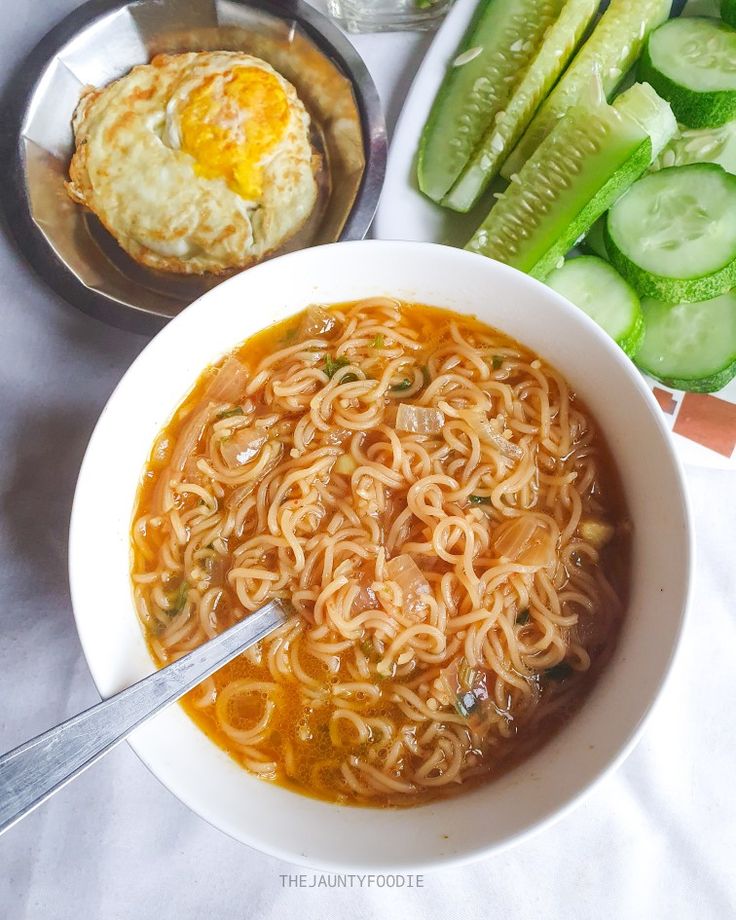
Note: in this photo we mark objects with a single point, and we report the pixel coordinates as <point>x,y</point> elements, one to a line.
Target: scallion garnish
<point>229,413</point>
<point>497,362</point>
<point>179,599</point>
<point>378,341</point>
<point>400,387</point>
<point>522,618</point>
<point>333,365</point>
<point>480,499</point>
<point>465,704</point>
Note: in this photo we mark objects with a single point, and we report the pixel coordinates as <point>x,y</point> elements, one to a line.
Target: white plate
<point>703,426</point>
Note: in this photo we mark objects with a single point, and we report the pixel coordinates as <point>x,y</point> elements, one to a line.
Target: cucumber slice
<point>673,234</point>
<point>478,86</point>
<point>598,290</point>
<point>560,41</point>
<point>690,346</point>
<point>728,12</point>
<point>653,115</point>
<point>611,50</point>
<point>590,158</point>
<point>701,145</point>
<point>692,63</point>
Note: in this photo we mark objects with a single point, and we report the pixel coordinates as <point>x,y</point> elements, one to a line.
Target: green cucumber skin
<point>579,74</point>
<point>630,340</point>
<point>624,176</point>
<point>670,290</point>
<point>631,344</point>
<point>728,12</point>
<point>614,187</point>
<point>440,161</point>
<point>564,36</point>
<point>692,109</point>
<point>709,383</point>
<point>703,385</point>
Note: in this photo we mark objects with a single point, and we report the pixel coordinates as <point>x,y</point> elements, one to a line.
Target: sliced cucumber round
<point>728,12</point>
<point>672,235</point>
<point>692,63</point>
<point>701,145</point>
<point>690,346</point>
<point>598,290</point>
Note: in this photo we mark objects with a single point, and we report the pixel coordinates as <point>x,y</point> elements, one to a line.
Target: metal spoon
<point>33,772</point>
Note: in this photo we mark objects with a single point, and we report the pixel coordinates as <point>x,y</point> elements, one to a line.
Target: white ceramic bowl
<point>308,831</point>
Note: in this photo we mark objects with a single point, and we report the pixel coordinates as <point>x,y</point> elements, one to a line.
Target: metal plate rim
<point>22,85</point>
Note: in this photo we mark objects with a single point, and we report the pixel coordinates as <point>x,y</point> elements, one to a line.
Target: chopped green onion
<point>559,671</point>
<point>480,499</point>
<point>465,704</point>
<point>523,618</point>
<point>229,413</point>
<point>497,362</point>
<point>349,378</point>
<point>400,387</point>
<point>333,365</point>
<point>289,335</point>
<point>425,374</point>
<point>180,598</point>
<point>378,341</point>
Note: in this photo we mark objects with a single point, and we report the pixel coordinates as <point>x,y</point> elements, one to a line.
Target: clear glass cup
<point>388,15</point>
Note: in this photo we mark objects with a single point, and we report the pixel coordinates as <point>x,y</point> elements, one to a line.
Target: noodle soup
<point>441,511</point>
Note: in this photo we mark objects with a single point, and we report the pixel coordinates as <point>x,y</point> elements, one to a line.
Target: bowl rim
<point>24,81</point>
<point>552,813</point>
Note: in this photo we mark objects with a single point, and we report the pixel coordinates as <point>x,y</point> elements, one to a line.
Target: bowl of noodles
<point>469,499</point>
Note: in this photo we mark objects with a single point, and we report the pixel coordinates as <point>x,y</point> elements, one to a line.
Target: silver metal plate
<point>100,42</point>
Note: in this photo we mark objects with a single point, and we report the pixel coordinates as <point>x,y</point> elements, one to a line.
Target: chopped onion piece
<point>404,572</point>
<point>346,465</point>
<point>487,433</point>
<point>242,446</point>
<point>467,690</point>
<point>596,531</point>
<point>189,438</point>
<point>512,537</point>
<point>525,540</point>
<point>419,420</point>
<point>316,322</point>
<point>229,383</point>
<point>365,599</point>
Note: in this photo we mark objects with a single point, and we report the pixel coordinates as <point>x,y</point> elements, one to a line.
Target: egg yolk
<point>230,125</point>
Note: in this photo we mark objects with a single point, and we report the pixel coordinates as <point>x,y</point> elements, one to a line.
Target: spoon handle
<point>31,773</point>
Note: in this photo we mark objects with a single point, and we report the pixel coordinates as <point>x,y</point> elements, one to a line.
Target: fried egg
<point>197,162</point>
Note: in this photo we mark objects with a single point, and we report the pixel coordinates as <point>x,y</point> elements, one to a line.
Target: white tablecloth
<point>655,840</point>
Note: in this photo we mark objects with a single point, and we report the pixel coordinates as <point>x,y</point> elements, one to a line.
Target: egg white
<point>130,169</point>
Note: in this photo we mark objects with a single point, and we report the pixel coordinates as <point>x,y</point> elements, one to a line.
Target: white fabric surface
<point>656,839</point>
